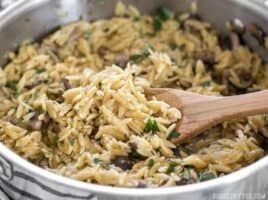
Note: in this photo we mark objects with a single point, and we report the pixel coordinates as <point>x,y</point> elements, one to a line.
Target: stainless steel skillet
<point>35,18</point>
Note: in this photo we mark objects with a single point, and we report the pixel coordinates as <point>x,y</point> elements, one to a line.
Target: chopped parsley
<point>134,154</point>
<point>136,18</point>
<point>50,79</point>
<point>206,84</point>
<point>164,13</point>
<point>173,46</point>
<point>106,29</point>
<point>151,125</point>
<point>97,161</point>
<point>71,141</point>
<point>12,85</point>
<point>87,33</point>
<point>40,70</point>
<point>173,134</point>
<point>55,139</point>
<point>171,167</point>
<point>150,34</point>
<point>186,175</point>
<point>142,55</point>
<point>207,175</point>
<point>157,24</point>
<point>150,163</point>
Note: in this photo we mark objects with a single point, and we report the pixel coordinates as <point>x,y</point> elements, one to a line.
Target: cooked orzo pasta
<point>75,103</point>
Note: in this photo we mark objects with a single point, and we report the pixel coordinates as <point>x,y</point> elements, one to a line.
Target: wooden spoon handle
<point>203,115</point>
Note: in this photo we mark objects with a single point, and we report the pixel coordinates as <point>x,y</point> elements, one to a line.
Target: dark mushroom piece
<point>185,182</point>
<point>124,162</point>
<point>257,32</point>
<point>185,84</point>
<point>46,120</point>
<point>121,60</point>
<point>232,41</point>
<point>13,120</point>
<point>75,34</point>
<point>34,125</point>
<point>206,55</point>
<point>235,40</point>
<point>225,77</point>
<point>51,51</point>
<point>237,26</point>
<point>141,184</point>
<point>66,84</point>
<point>102,51</point>
<point>35,84</point>
<point>56,127</point>
<point>244,82</point>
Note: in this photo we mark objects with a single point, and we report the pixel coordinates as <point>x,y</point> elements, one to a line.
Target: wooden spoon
<point>201,112</point>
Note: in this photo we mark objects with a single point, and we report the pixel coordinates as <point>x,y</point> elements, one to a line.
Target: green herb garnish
<point>40,70</point>
<point>164,13</point>
<point>173,134</point>
<point>157,24</point>
<point>50,79</point>
<point>12,85</point>
<point>97,161</point>
<point>71,141</point>
<point>186,175</point>
<point>151,125</point>
<point>142,55</point>
<point>87,33</point>
<point>207,175</point>
<point>135,155</point>
<point>171,167</point>
<point>55,139</point>
<point>206,84</point>
<point>136,18</point>
<point>150,163</point>
<point>173,46</point>
<point>150,34</point>
<point>106,29</point>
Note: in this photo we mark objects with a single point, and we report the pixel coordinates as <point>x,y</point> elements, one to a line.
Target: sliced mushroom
<point>46,120</point>
<point>124,162</point>
<point>121,60</point>
<point>185,182</point>
<point>35,84</point>
<point>51,51</point>
<point>66,84</point>
<point>235,40</point>
<point>232,41</point>
<point>185,84</point>
<point>141,184</point>
<point>237,26</point>
<point>56,127</point>
<point>225,77</point>
<point>206,55</point>
<point>102,51</point>
<point>34,125</point>
<point>244,82</point>
<point>257,32</point>
<point>225,42</point>
<point>75,34</point>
